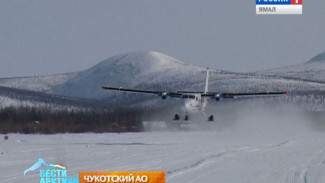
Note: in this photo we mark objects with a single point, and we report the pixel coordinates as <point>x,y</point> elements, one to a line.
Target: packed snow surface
<point>261,147</point>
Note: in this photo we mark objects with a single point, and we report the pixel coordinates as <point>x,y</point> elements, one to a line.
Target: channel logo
<point>57,173</point>
<point>279,7</point>
<point>122,177</point>
<point>51,173</point>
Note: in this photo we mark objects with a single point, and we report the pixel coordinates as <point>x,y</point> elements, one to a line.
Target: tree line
<point>47,121</point>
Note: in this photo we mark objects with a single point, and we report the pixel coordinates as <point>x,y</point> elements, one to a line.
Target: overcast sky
<point>40,37</point>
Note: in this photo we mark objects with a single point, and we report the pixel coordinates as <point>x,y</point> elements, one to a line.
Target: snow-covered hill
<point>320,58</point>
<point>13,97</point>
<point>153,70</point>
<point>130,70</point>
<point>156,71</point>
<point>37,83</point>
<point>313,70</point>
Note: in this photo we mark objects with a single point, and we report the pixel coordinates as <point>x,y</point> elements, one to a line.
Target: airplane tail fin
<point>206,90</point>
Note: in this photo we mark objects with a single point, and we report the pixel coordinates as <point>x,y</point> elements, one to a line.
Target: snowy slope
<point>156,71</point>
<point>153,70</point>
<point>320,58</point>
<point>314,69</point>
<point>128,70</point>
<point>13,102</point>
<point>7,102</point>
<point>37,83</point>
<point>261,147</point>
<point>20,97</point>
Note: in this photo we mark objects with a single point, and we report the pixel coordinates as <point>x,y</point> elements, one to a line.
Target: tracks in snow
<point>204,161</point>
<point>300,174</point>
<point>222,155</point>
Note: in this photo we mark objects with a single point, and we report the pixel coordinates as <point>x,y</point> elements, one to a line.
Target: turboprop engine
<point>218,97</point>
<point>164,95</point>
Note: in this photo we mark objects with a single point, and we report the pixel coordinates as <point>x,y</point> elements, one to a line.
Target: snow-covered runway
<point>202,156</point>
<point>285,146</point>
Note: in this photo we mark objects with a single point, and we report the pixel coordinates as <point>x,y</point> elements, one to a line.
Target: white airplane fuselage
<point>193,106</point>
<point>198,104</point>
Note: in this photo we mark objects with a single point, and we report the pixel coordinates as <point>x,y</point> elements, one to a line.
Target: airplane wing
<point>238,95</point>
<point>163,94</point>
<point>191,94</point>
<point>132,90</point>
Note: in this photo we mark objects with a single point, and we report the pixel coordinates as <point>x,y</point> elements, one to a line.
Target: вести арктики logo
<point>57,173</point>
<point>54,173</point>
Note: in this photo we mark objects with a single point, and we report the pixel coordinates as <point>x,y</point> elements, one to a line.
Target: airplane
<point>195,101</point>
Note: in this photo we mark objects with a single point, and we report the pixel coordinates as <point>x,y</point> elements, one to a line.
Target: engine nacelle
<point>164,95</point>
<point>218,97</point>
